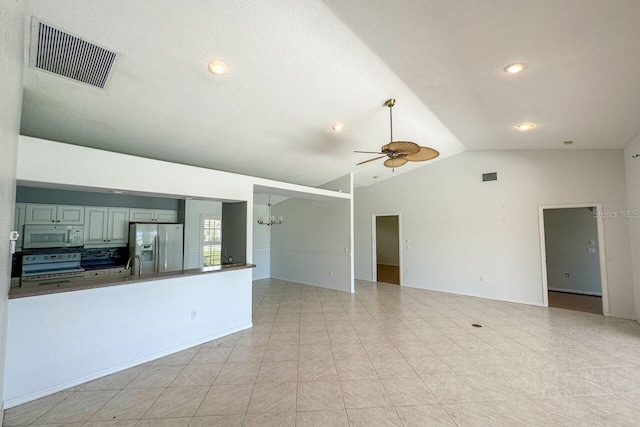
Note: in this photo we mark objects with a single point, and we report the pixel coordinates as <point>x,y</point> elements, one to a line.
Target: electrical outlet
<point>482,278</point>
<point>330,272</point>
<point>193,314</point>
<point>408,271</point>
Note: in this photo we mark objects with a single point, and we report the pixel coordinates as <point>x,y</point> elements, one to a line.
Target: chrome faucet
<point>139,264</point>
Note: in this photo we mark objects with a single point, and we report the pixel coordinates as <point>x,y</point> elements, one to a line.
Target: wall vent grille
<point>493,176</point>
<point>61,53</point>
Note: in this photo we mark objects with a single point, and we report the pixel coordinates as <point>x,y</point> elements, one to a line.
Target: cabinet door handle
<point>53,220</point>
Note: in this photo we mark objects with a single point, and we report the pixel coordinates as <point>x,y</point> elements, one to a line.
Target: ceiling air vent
<point>493,176</point>
<point>61,53</point>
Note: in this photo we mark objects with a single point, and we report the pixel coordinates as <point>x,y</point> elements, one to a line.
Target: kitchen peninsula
<point>62,339</point>
<point>22,292</point>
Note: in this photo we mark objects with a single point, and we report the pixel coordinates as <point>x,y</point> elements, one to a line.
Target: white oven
<point>60,269</point>
<point>53,236</point>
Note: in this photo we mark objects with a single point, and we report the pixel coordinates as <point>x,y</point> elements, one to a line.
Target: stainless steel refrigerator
<point>159,245</point>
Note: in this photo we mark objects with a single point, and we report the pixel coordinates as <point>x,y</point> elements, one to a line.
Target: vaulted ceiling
<point>297,67</point>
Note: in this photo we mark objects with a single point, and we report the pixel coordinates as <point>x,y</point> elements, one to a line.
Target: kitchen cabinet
<point>153,215</point>
<point>40,214</point>
<point>19,223</point>
<point>57,214</point>
<point>106,272</point>
<point>119,272</point>
<point>106,226</point>
<point>96,274</point>
<point>118,226</point>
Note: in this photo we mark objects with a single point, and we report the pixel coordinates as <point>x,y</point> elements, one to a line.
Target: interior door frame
<point>374,256</point>
<point>601,251</point>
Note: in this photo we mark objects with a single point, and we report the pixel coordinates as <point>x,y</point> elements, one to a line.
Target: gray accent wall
<point>571,243</point>
<point>85,198</point>
<point>234,231</point>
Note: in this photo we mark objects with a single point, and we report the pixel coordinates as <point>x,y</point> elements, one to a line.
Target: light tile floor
<point>385,356</point>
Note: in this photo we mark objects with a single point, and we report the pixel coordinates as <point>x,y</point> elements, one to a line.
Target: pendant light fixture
<point>271,220</point>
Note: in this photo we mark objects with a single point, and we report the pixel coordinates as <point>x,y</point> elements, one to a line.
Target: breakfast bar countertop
<point>20,292</point>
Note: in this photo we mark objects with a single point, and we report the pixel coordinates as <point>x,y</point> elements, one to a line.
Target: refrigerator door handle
<point>156,260</point>
<point>166,251</point>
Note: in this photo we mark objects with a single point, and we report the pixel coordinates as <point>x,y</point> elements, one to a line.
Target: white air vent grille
<point>69,56</point>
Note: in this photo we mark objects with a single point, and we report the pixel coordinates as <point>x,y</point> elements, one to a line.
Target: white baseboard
<point>386,263</point>
<point>308,284</point>
<point>576,291</point>
<point>60,387</point>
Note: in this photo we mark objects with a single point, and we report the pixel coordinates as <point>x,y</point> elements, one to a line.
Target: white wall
<point>261,244</point>
<point>11,34</point>
<point>51,164</point>
<point>568,237</point>
<point>194,209</point>
<point>460,228</point>
<point>96,332</point>
<point>313,245</point>
<point>632,171</point>
<point>387,240</point>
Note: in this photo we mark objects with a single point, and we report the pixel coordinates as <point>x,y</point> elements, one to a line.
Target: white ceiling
<point>296,67</point>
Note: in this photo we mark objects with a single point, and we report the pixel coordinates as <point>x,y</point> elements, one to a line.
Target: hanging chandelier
<point>271,220</point>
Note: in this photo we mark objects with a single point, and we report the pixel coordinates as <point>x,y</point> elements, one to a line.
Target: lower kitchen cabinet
<point>106,272</point>
<point>119,272</point>
<point>96,274</point>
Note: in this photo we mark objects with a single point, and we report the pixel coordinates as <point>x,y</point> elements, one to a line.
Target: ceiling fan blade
<point>370,160</point>
<point>369,152</point>
<point>404,147</point>
<point>424,154</point>
<point>395,163</point>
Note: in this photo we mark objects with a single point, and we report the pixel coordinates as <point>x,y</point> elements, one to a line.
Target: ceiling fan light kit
<point>400,153</point>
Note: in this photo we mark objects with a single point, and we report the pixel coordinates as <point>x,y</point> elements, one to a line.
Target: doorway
<point>573,258</point>
<point>386,248</point>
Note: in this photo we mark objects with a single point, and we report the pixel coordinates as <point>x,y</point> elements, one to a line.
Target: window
<point>211,242</point>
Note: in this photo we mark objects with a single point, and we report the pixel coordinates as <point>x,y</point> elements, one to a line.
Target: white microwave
<point>52,236</point>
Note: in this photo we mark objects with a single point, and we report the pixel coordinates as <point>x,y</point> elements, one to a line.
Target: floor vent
<point>61,53</point>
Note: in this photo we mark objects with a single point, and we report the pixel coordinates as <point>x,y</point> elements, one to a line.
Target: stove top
<point>51,265</point>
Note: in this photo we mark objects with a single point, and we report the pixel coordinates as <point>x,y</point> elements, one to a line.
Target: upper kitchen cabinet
<point>54,214</point>
<point>106,227</point>
<point>153,215</point>
<point>41,214</point>
<point>95,228</point>
<point>118,226</point>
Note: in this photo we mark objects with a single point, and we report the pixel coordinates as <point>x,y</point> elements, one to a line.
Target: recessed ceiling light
<point>568,142</point>
<point>337,126</point>
<point>524,126</point>
<point>515,68</point>
<point>218,68</point>
<point>118,192</point>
